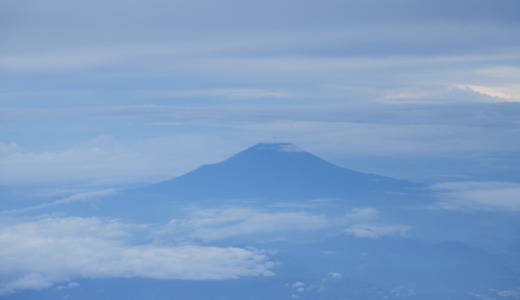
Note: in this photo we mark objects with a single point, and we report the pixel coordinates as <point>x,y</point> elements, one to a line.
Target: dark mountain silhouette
<point>277,171</point>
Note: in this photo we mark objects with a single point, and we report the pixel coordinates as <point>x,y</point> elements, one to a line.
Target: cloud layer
<point>41,253</point>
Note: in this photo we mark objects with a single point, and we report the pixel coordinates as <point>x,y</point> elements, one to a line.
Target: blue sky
<point>128,92</point>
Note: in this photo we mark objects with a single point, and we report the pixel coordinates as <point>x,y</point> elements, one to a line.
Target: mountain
<point>263,175</point>
<point>276,171</point>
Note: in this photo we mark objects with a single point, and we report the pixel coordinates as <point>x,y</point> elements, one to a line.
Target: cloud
<point>70,285</point>
<point>508,94</point>
<point>78,197</point>
<point>513,293</point>
<point>335,275</point>
<point>217,224</point>
<point>361,24</point>
<point>366,222</point>
<point>437,94</point>
<point>242,93</point>
<point>362,214</point>
<point>38,254</point>
<point>485,196</point>
<point>396,139</point>
<point>106,161</point>
<point>6,149</point>
<point>377,231</point>
<point>41,253</point>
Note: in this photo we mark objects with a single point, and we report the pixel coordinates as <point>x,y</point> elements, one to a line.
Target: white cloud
<point>70,285</point>
<point>362,214</point>
<point>209,225</point>
<point>6,149</point>
<point>512,293</point>
<point>291,148</point>
<point>509,94</point>
<point>377,231</point>
<point>488,196</point>
<point>38,254</point>
<point>366,222</point>
<point>298,287</point>
<point>436,94</point>
<point>42,253</point>
<point>216,224</point>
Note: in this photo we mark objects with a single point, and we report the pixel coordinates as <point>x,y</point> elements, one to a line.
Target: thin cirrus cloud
<point>39,254</point>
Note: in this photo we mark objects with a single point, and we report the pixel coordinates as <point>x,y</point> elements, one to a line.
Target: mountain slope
<point>277,171</point>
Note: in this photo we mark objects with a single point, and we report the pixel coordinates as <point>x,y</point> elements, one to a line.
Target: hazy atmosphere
<point>101,97</point>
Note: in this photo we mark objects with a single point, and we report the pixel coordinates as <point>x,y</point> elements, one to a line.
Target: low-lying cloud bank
<point>38,254</point>
<point>41,253</point>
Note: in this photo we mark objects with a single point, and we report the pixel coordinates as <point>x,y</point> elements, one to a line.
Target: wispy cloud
<point>217,224</point>
<point>78,197</point>
<point>486,196</point>
<point>106,161</point>
<point>508,94</point>
<point>366,222</point>
<point>373,231</point>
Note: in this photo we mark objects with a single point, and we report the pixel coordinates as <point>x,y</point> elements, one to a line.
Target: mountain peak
<point>282,147</point>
